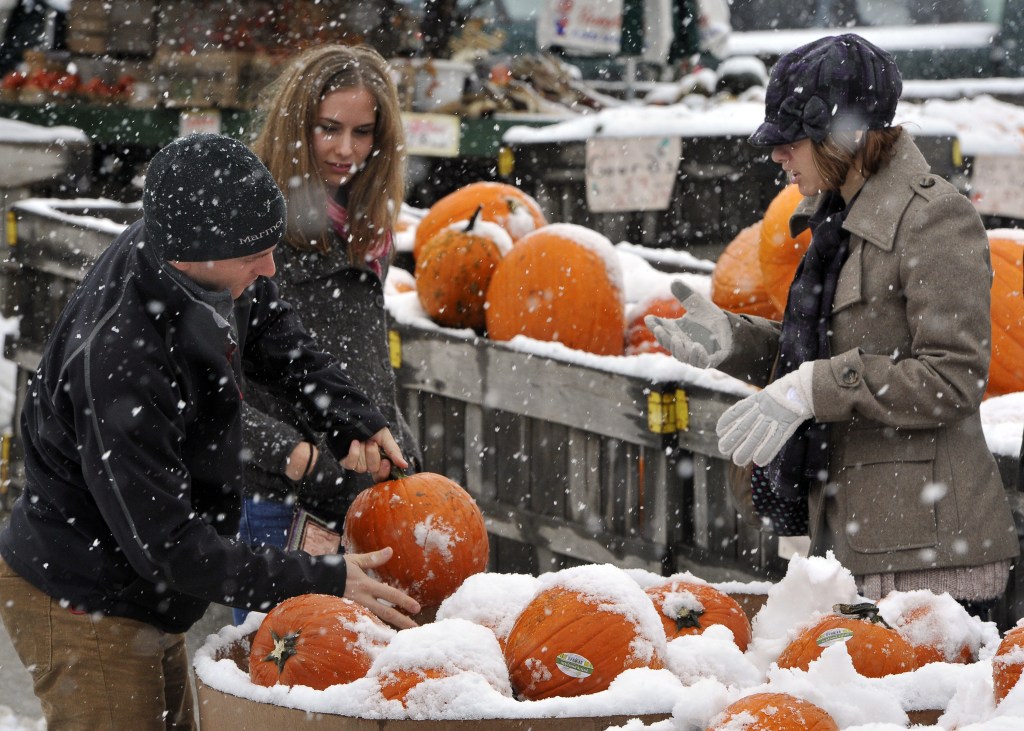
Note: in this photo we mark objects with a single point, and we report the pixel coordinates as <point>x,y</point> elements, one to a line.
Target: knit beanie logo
<point>208,197</point>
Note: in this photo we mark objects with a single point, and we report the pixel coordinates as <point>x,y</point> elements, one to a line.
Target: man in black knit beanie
<point>125,531</point>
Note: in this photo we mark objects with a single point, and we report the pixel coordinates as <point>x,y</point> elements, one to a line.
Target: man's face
<point>234,275</point>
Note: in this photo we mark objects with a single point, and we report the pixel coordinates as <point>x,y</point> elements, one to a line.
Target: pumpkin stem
<point>688,619</point>
<point>472,221</point>
<point>865,610</point>
<point>284,648</point>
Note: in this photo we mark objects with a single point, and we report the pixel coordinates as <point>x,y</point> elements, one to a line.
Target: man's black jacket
<point>132,436</point>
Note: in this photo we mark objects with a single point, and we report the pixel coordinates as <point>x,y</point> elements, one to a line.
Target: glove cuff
<point>804,384</point>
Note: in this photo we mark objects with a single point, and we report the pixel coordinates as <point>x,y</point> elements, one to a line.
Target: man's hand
<point>373,455</point>
<point>381,599</point>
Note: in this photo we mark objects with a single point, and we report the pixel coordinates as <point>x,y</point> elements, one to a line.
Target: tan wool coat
<point>912,484</point>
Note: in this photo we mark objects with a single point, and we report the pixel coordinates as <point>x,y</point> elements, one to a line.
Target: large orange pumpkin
<point>639,338</point>
<point>566,643</point>
<point>936,626</point>
<point>875,648</point>
<point>1006,372</point>
<point>454,270</point>
<point>1008,662</point>
<point>561,283</point>
<point>395,686</point>
<point>736,282</point>
<point>315,640</point>
<point>688,608</point>
<point>434,526</point>
<point>506,205</point>
<point>773,712</point>
<point>778,252</point>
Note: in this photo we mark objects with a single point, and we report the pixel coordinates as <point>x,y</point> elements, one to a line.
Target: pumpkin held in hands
<point>434,526</point>
<point>504,204</point>
<point>773,712</point>
<point>688,608</point>
<point>315,640</point>
<point>876,649</point>
<point>561,283</point>
<point>566,643</point>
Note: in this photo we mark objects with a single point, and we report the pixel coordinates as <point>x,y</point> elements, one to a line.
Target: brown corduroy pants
<point>92,672</point>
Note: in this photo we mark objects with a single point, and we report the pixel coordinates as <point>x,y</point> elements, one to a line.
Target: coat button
<point>379,301</point>
<point>927,182</point>
<point>850,377</point>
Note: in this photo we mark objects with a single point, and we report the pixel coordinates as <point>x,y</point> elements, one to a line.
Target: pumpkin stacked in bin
<point>773,712</point>
<point>1006,372</point>
<point>1008,662</point>
<point>689,608</point>
<point>639,338</point>
<point>433,525</point>
<point>778,252</point>
<point>737,284</point>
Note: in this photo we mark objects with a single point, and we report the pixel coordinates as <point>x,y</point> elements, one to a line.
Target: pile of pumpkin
<point>573,631</point>
<point>487,259</point>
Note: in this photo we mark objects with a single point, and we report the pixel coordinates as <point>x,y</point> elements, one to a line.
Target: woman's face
<point>343,135</point>
<point>798,162</point>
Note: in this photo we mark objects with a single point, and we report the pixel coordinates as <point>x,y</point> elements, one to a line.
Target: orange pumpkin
<point>875,648</point>
<point>315,640</point>
<point>1008,662</point>
<point>506,205</point>
<point>395,686</point>
<point>560,283</point>
<point>639,338</point>
<point>736,282</point>
<point>923,619</point>
<point>434,526</point>
<point>688,608</point>
<point>773,712</point>
<point>566,643</point>
<point>1006,372</point>
<point>778,252</point>
<point>454,270</point>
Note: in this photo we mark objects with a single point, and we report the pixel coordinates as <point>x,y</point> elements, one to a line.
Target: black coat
<point>133,441</point>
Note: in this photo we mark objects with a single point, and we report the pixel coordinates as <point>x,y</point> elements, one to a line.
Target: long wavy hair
<point>283,141</point>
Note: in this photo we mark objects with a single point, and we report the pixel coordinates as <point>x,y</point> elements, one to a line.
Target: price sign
<point>631,174</point>
<point>997,185</point>
<point>432,135</point>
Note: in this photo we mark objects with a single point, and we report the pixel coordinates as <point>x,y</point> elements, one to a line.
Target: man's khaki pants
<point>93,672</point>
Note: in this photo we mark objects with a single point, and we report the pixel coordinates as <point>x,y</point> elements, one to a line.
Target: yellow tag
<point>5,460</point>
<point>395,348</point>
<point>682,410</point>
<point>506,161</point>
<point>661,412</point>
<point>12,229</point>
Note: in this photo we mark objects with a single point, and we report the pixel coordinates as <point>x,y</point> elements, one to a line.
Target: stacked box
<point>100,27</point>
<point>202,79</point>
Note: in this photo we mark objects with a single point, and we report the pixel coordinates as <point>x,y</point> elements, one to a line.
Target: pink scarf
<point>338,215</point>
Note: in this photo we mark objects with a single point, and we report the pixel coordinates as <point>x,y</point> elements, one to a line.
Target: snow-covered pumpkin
<point>688,608</point>
<point>504,204</point>
<point>454,269</point>
<point>778,252</point>
<point>560,283</point>
<point>875,648</point>
<point>434,526</point>
<point>639,338</point>
<point>736,282</point>
<point>773,712</point>
<point>316,640</point>
<point>568,642</point>
<point>1008,662</point>
<point>936,625</point>
<point>1006,372</point>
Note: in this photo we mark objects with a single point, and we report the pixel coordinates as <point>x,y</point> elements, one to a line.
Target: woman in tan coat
<point>867,434</point>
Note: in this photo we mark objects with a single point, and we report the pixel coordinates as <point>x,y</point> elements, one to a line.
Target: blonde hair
<point>835,155</point>
<point>284,143</point>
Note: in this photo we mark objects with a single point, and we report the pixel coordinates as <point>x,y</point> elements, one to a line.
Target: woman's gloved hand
<point>756,428</point>
<point>702,337</point>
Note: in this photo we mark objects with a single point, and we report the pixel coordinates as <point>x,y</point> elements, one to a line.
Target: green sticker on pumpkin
<point>573,665</point>
<point>832,636</point>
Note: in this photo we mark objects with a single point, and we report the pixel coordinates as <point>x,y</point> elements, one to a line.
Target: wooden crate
<point>202,79</point>
<point>100,27</point>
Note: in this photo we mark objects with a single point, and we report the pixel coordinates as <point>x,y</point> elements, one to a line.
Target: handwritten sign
<point>432,135</point>
<point>997,185</point>
<point>631,174</point>
<point>206,121</point>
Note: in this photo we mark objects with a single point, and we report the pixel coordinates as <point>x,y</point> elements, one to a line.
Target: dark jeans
<point>264,522</point>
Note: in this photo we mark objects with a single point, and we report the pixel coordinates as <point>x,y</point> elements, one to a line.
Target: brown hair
<point>284,143</point>
<point>836,154</point>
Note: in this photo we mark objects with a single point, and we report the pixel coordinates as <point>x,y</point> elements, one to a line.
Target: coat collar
<point>879,206</point>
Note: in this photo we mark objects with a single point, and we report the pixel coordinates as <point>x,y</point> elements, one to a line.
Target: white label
<point>997,185</point>
<point>587,26</point>
<point>573,665</point>
<point>832,636</point>
<point>432,135</point>
<point>206,121</point>
<point>631,174</point>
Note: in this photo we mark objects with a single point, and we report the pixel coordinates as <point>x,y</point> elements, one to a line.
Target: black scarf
<point>805,336</point>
